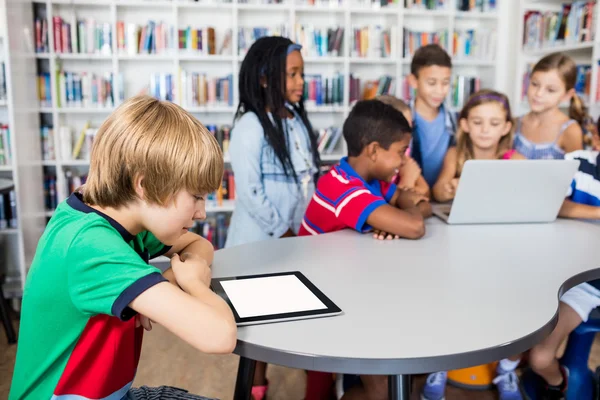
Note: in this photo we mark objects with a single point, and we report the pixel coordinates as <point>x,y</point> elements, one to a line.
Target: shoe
<point>557,393</point>
<point>435,386</point>
<point>508,386</point>
<point>260,392</point>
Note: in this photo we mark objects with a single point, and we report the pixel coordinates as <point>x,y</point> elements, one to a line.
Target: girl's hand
<point>451,187</point>
<point>381,235</point>
<point>409,173</point>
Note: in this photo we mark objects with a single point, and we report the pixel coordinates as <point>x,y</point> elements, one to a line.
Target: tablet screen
<point>270,295</point>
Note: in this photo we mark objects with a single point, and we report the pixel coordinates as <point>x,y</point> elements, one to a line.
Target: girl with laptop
<point>485,132</point>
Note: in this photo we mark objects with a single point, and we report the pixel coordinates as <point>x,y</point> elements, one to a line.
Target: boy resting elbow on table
<point>358,194</point>
<point>90,287</point>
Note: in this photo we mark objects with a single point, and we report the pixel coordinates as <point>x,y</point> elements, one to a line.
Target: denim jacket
<point>267,203</point>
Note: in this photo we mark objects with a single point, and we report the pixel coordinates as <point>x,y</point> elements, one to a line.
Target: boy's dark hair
<point>373,121</point>
<point>262,86</point>
<point>428,55</point>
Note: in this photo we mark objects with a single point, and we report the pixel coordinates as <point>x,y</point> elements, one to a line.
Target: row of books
<point>226,190</point>
<point>47,143</point>
<point>320,42</point>
<point>214,229</point>
<point>3,92</point>
<point>83,89</point>
<point>373,41</point>
<point>415,39</point>
<point>8,210</point>
<point>370,88</point>
<point>425,4</point>
<point>198,90</point>
<point>476,5</point>
<point>247,36</point>
<point>328,139</point>
<point>85,36</point>
<point>462,88</point>
<point>573,24</point>
<point>479,44</point>
<point>152,38</point>
<point>320,90</point>
<point>5,151</point>
<point>222,134</point>
<point>41,35</point>
<point>50,191</point>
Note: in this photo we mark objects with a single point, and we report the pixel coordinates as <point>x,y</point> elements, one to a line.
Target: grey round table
<point>461,296</point>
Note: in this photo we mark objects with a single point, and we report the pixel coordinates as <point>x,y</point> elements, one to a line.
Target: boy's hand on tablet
<point>190,269</point>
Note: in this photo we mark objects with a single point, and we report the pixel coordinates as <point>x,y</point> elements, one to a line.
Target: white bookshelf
<point>583,53</point>
<point>25,115</point>
<point>19,111</point>
<point>136,68</point>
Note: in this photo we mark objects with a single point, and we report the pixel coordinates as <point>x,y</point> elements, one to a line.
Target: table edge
<point>379,366</point>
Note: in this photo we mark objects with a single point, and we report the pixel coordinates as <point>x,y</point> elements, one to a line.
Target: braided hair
<point>265,63</point>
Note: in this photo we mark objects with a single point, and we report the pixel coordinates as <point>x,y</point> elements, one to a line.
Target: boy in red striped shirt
<point>358,194</point>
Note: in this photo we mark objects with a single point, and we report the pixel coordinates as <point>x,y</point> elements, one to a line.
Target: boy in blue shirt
<point>433,124</point>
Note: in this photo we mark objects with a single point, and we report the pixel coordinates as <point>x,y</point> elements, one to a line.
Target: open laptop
<point>516,191</point>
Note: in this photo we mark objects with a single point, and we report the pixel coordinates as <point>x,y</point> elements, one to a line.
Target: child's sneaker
<point>508,386</point>
<point>435,386</point>
<point>557,392</point>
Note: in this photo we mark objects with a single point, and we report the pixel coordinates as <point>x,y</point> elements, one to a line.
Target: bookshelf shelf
<point>203,58</point>
<point>476,15</point>
<point>87,110</point>
<point>214,207</point>
<point>562,48</point>
<point>584,52</point>
<point>85,57</point>
<point>5,168</point>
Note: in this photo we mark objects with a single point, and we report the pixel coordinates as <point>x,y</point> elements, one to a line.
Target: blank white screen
<point>255,297</point>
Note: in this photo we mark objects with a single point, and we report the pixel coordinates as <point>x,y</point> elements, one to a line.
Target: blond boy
<point>90,287</point>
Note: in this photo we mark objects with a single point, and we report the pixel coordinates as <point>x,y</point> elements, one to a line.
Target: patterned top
<point>540,151</point>
<point>344,200</point>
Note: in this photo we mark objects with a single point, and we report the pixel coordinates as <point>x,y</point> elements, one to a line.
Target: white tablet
<point>283,296</point>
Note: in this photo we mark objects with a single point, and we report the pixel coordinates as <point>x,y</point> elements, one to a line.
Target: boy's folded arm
<point>189,243</point>
<point>570,209</point>
<point>201,318</point>
<point>407,223</point>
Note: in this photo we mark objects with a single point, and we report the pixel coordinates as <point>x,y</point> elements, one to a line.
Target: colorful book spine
<point>373,41</point>
<point>321,91</point>
<point>415,39</point>
<point>320,42</point>
<point>199,90</point>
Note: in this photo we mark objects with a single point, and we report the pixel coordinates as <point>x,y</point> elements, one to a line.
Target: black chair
<point>6,186</point>
<point>4,313</point>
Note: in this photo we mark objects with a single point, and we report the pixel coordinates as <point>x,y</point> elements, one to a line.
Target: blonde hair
<point>464,145</point>
<point>155,139</point>
<point>395,102</point>
<point>567,69</point>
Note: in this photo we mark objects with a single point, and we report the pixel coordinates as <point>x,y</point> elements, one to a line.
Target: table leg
<point>245,376</point>
<point>399,387</point>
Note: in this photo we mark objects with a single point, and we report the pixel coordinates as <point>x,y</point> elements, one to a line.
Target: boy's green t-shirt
<point>77,335</point>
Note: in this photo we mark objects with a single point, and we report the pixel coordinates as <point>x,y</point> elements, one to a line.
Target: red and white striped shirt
<point>344,200</point>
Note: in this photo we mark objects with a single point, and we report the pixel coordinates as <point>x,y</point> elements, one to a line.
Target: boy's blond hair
<point>395,102</point>
<point>155,139</point>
